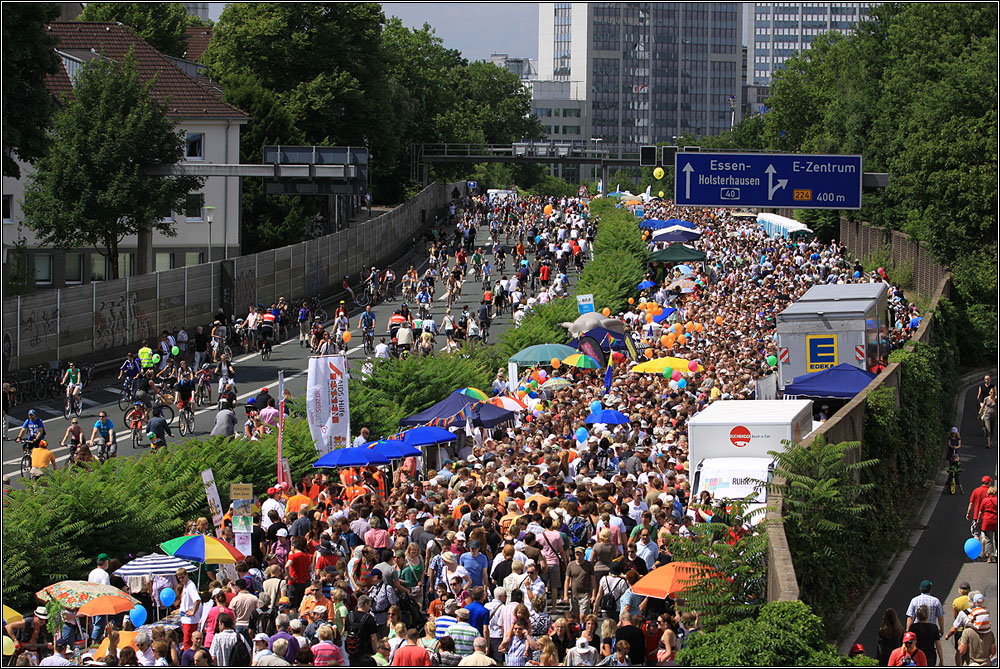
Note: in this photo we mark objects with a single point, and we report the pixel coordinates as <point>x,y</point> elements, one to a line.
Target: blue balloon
<point>973,548</point>
<point>538,239</point>
<point>857,275</point>
<point>682,383</point>
<point>533,394</point>
<point>595,406</point>
<point>581,434</point>
<point>167,596</point>
<point>138,615</point>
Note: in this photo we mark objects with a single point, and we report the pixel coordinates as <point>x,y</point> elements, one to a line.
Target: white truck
<point>729,442</point>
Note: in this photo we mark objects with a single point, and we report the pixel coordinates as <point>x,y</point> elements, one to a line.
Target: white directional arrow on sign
<point>687,180</point>
<point>771,188</point>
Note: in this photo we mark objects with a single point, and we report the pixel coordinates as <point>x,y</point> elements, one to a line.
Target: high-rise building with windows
<point>647,71</point>
<point>781,30</point>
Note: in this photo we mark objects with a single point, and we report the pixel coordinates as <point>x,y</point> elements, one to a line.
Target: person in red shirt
<point>410,654</point>
<point>908,655</point>
<point>299,571</point>
<point>972,513</point>
<point>986,512</point>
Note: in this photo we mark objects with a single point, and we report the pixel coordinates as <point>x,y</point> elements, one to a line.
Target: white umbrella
<point>154,564</point>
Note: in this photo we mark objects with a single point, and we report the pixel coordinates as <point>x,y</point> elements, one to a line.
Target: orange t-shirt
<point>295,503</point>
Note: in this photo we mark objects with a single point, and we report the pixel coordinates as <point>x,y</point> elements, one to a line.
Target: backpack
<point>240,656</point>
<point>578,534</point>
<point>353,642</point>
<point>413,616</point>
<point>609,600</point>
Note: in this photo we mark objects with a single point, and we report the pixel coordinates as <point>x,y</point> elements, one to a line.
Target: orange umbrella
<point>124,639</point>
<point>669,579</point>
<point>106,605</point>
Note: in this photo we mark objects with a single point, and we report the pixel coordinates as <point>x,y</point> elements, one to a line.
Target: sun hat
<point>282,532</point>
<point>449,557</point>
<point>42,612</point>
<point>261,637</point>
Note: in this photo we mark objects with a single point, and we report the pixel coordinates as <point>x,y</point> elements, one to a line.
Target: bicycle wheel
<point>201,397</point>
<point>67,407</point>
<point>228,352</point>
<point>321,314</point>
<point>25,465</point>
<point>124,401</point>
<point>182,425</point>
<point>136,439</point>
<point>168,414</point>
<point>78,406</point>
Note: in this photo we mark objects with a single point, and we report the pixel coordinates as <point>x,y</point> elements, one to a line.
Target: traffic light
<point>647,156</point>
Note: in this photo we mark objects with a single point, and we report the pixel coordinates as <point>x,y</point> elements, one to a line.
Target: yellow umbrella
<point>631,202</point>
<point>657,365</point>
<point>10,615</point>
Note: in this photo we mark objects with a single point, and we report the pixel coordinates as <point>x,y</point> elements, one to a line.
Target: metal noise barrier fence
<point>104,319</point>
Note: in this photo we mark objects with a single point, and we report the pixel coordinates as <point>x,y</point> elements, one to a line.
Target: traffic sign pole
<point>800,181</point>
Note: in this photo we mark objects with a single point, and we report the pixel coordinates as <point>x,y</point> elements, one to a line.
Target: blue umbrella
<point>646,284</point>
<point>426,435</point>
<point>351,457</point>
<point>685,224</point>
<point>393,449</point>
<point>685,269</point>
<point>676,234</point>
<point>653,224</point>
<point>608,417</point>
<point>664,316</point>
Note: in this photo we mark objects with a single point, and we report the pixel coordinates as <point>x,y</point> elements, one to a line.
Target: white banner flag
<point>328,411</point>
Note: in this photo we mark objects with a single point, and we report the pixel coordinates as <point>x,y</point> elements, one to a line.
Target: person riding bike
<point>158,426</point>
<point>341,325</point>
<point>130,370</point>
<point>104,432</point>
<point>389,284</point>
<point>266,329</point>
<point>367,324</point>
<point>72,437</point>
<point>346,285</point>
<point>184,391</point>
<point>41,459</point>
<point>205,378</point>
<point>424,300</point>
<point>72,380</point>
<point>34,427</point>
<point>373,283</point>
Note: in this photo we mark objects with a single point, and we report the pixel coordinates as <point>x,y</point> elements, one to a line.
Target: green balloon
<point>175,351</point>
<point>156,358</point>
<point>771,360</point>
<point>667,372</point>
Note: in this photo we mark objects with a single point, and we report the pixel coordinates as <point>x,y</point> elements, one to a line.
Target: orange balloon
<point>671,336</point>
<point>649,317</point>
<point>521,394</point>
<point>548,210</point>
<point>665,340</point>
<point>606,311</point>
<point>555,363</point>
<point>678,327</point>
<point>649,353</point>
<point>718,320</point>
<point>670,344</point>
<point>659,311</point>
<point>689,327</point>
<point>699,327</point>
<point>347,337</point>
<point>631,300</point>
<point>681,339</point>
<point>642,306</point>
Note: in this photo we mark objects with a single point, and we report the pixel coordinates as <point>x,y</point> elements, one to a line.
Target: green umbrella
<point>542,354</point>
<point>678,253</point>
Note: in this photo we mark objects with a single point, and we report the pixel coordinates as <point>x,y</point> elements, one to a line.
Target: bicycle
<point>202,395</point>
<point>369,342</point>
<point>103,449</point>
<point>73,405</point>
<point>186,420</point>
<point>135,418</point>
<point>165,408</point>
<point>26,448</point>
<point>126,396</point>
<point>317,310</point>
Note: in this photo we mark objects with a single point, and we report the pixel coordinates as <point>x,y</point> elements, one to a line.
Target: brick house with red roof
<point>212,128</point>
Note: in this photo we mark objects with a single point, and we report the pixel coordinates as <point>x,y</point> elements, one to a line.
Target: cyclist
<point>424,301</point>
<point>317,333</point>
<point>184,391</point>
<point>41,459</point>
<point>484,319</point>
<point>265,331</point>
<point>341,311</point>
<point>145,389</point>
<point>71,379</point>
<point>226,373</point>
<point>487,274</point>
<point>477,262</point>
<point>34,427</point>
<point>389,282</point>
<point>205,378</point>
<point>73,436</point>
<point>341,324</point>
<point>304,318</point>
<point>103,432</point>
<point>346,285</point>
<point>130,370</point>
<point>218,340</point>
<point>367,325</point>
<point>372,283</point>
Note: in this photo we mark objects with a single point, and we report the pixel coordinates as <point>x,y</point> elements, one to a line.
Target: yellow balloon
<point>661,193</point>
<point>8,646</point>
<point>658,173</point>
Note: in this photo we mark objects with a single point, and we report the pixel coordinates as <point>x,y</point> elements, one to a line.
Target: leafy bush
<point>785,634</point>
<point>53,530</point>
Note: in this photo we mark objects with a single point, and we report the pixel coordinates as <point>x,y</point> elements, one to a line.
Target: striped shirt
<point>442,623</point>
<point>463,634</point>
<point>517,652</point>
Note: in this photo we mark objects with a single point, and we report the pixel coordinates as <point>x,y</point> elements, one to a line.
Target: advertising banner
<point>214,503</point>
<point>328,411</point>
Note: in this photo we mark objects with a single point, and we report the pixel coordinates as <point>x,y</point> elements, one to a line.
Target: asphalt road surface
<point>252,374</point>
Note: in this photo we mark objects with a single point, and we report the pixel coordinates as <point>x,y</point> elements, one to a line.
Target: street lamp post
<point>208,219</point>
<point>732,111</point>
<point>596,141</point>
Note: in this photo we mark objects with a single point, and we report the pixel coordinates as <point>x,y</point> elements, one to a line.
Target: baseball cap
<point>261,637</point>
<point>272,490</point>
<point>925,585</point>
<point>284,601</point>
<point>909,636</point>
<point>282,532</point>
<point>987,479</point>
<point>978,597</point>
<point>964,585</point>
<point>101,557</point>
<point>474,543</point>
<point>460,536</point>
<point>857,648</point>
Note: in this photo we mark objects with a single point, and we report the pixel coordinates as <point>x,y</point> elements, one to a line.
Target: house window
<point>164,261</point>
<point>167,215</point>
<point>193,208</point>
<point>43,269</point>
<point>8,201</point>
<point>195,146</point>
<point>98,267</point>
<point>192,258</point>
<point>74,268</point>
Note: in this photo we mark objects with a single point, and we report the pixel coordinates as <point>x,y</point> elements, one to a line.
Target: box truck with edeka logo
<point>729,442</point>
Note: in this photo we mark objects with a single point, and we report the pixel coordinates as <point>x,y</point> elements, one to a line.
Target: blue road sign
<point>800,181</point>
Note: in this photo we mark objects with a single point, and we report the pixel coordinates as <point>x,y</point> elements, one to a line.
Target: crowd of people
<point>523,546</point>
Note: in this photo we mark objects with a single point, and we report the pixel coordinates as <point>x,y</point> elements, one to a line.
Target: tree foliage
<point>28,58</point>
<point>90,189</point>
<point>785,634</point>
<point>161,24</point>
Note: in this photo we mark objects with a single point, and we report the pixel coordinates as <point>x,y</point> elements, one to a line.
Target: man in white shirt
<point>382,349</point>
<point>270,504</point>
<point>99,574</point>
<point>190,605</point>
<point>61,658</point>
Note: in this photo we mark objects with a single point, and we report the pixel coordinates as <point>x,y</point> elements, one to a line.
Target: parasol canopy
<point>355,456</point>
<point>74,594</point>
<point>202,548</point>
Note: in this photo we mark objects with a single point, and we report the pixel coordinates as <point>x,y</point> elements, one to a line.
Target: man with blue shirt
<point>33,429</point>
<point>479,615</point>
<point>105,429</point>
<point>476,564</point>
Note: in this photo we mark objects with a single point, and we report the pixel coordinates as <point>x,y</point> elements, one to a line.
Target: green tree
<point>821,506</point>
<point>161,24</point>
<point>785,634</point>
<point>28,58</point>
<point>90,189</point>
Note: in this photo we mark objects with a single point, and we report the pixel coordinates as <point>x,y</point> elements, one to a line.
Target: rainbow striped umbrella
<point>202,548</point>
<point>474,393</point>
<point>582,361</point>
